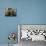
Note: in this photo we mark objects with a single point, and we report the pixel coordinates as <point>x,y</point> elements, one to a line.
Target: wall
<point>28,12</point>
<point>33,12</point>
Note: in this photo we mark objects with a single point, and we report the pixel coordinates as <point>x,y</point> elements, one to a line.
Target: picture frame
<point>10,12</point>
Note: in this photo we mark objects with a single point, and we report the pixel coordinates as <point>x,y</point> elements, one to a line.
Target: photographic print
<point>10,12</point>
<point>33,32</point>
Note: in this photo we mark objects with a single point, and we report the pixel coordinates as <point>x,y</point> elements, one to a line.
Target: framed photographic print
<point>10,12</point>
<point>28,34</point>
